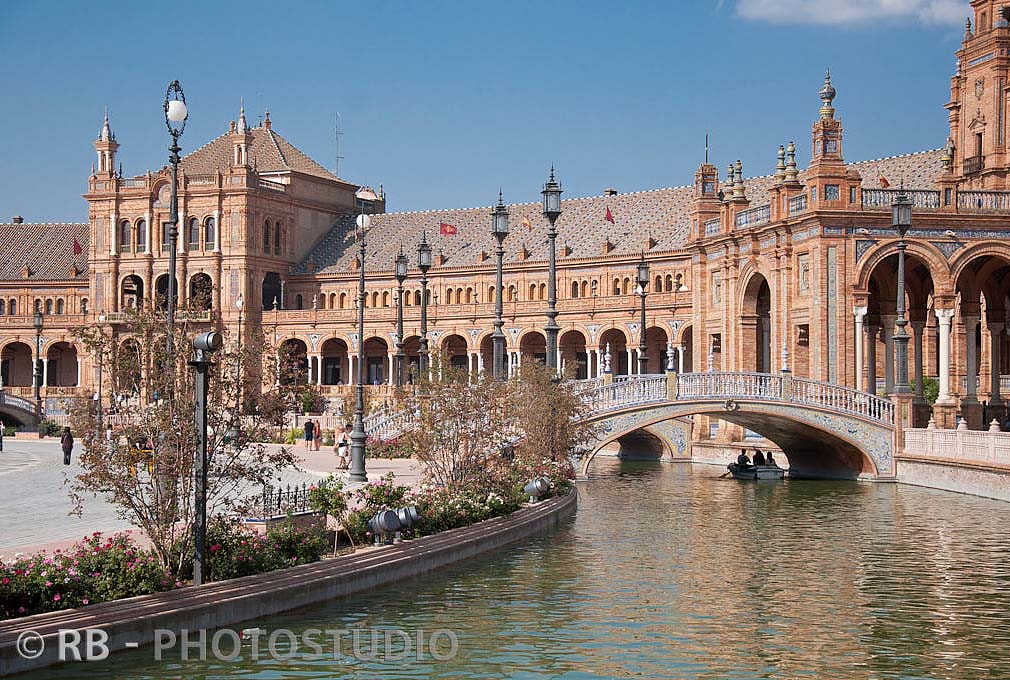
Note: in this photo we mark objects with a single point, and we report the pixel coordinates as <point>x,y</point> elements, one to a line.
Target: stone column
<point>392,370</point>
<point>680,358</point>
<point>859,313</point>
<point>888,330</point>
<point>631,361</point>
<point>944,316</point>
<point>319,369</point>
<point>996,411</point>
<point>871,359</point>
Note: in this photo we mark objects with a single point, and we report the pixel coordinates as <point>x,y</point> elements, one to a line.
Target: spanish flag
<point>446,229</point>
<point>527,223</point>
<point>609,217</point>
<point>884,184</point>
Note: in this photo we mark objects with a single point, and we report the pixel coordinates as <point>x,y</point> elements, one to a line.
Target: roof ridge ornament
<point>827,95</point>
<point>242,127</point>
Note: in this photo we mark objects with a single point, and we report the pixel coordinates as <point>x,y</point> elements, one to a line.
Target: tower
<point>106,147</point>
<point>830,183</point>
<point>241,140</point>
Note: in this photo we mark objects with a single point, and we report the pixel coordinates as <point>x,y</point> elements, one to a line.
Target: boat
<point>756,471</point>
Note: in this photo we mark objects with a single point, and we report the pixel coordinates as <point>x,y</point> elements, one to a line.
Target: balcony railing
<point>797,204</point>
<point>922,199</point>
<point>984,201</point>
<point>967,446</point>
<point>754,216</point>
<point>133,183</point>
<point>713,227</point>
<point>273,186</point>
<point>974,164</point>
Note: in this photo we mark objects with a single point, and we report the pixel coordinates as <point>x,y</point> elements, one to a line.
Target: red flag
<point>609,217</point>
<point>527,223</point>
<point>446,229</point>
<point>77,247</point>
<point>883,180</point>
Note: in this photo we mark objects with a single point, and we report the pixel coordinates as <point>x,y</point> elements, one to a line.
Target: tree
<point>141,458</point>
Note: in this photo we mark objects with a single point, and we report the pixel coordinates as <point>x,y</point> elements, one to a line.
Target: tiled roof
<point>663,214</point>
<point>269,152</point>
<point>47,250</point>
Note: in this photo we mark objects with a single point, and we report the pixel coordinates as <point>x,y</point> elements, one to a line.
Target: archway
<point>131,294</point>
<point>335,366</point>
<point>161,292</point>
<point>533,345</point>
<point>454,352</point>
<point>16,365</point>
<point>270,293</point>
<point>616,341</point>
<point>128,365</point>
<point>656,345</point>
<point>376,354</point>
<point>685,362</point>
<point>574,357</point>
<point>201,291</point>
<point>294,362</point>
<point>756,326</point>
<point>412,354</point>
<point>62,367</point>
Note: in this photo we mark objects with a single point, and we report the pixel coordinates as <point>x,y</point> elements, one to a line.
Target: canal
<point>668,571</point>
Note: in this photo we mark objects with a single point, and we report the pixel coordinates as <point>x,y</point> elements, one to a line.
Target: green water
<point>671,572</point>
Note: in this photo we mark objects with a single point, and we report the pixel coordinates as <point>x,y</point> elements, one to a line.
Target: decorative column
<point>680,358</point>
<point>859,313</point>
<point>392,369</point>
<point>631,360</point>
<point>871,358</point>
<point>319,369</point>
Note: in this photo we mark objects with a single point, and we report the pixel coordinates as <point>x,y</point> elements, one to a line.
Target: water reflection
<point>672,572</point>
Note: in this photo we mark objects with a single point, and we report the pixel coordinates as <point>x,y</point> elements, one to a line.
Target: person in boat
<point>769,460</point>
<point>742,460</point>
<point>759,458</point>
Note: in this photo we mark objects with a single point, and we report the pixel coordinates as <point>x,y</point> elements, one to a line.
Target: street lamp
<point>552,210</point>
<point>401,276</point>
<point>901,213</point>
<point>365,197</point>
<point>500,230</point>
<point>233,433</point>
<point>643,282</point>
<point>204,344</point>
<point>101,329</point>
<point>38,369</point>
<point>424,264</point>
<point>175,120</point>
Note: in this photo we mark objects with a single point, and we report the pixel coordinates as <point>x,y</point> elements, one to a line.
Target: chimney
<point>650,243</point>
<point>17,219</point>
<point>482,256</point>
<point>607,246</point>
<point>609,191</point>
<point>566,250</point>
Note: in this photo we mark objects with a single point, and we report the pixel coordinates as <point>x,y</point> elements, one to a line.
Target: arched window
<point>125,234</point>
<point>679,282</point>
<point>543,291</point>
<point>343,301</point>
<point>375,299</point>
<point>59,306</point>
<point>459,296</point>
<point>533,291</point>
<point>490,293</point>
<point>84,305</point>
<point>385,298</point>
<point>141,236</point>
<point>617,286</point>
<point>658,287</point>
<point>194,234</point>
<point>333,300</point>
<point>277,239</point>
<point>38,305</point>
<point>298,302</point>
<point>417,298</point>
<point>626,286</point>
<point>12,308</point>
<point>3,306</point>
<point>449,296</point>
<point>575,289</point>
<point>210,234</point>
<point>585,288</point>
<point>669,283</point>
<point>266,238</point>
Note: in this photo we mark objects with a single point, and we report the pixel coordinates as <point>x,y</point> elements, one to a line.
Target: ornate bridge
<point>16,409</point>
<point>824,430</point>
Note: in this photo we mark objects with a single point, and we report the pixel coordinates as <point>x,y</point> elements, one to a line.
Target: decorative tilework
<point>948,248</point>
<point>862,246</point>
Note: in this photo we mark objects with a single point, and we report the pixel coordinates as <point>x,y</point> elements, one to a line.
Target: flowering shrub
<point>392,448</point>
<point>441,509</point>
<point>97,569</point>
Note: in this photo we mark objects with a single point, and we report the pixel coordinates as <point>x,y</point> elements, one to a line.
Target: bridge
<point>824,430</point>
<point>15,410</point>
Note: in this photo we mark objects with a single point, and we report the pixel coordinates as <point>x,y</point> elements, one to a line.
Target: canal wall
<point>977,479</point>
<point>134,621</point>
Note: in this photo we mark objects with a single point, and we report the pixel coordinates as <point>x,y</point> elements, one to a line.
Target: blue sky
<point>444,102</point>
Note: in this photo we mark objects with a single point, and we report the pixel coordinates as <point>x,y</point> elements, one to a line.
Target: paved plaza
<point>35,507</point>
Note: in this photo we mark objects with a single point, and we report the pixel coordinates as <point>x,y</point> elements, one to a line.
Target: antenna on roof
<point>259,105</point>
<point>706,147</point>
<point>336,135</point>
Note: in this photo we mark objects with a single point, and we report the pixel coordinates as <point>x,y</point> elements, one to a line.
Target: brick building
<point>793,269</point>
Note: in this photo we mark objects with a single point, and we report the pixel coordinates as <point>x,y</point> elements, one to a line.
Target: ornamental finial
<point>827,95</point>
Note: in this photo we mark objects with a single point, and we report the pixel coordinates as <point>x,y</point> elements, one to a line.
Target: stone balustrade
<point>959,446</point>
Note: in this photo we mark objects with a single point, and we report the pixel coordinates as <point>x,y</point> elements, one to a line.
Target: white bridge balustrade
<point>839,398</point>
<point>962,446</point>
<point>722,384</point>
<point>641,389</point>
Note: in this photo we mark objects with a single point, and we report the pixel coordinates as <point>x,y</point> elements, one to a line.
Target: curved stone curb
<point>135,620</point>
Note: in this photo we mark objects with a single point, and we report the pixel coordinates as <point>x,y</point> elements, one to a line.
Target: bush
<point>329,437</point>
<point>48,428</point>
<point>293,435</point>
<point>930,389</point>
<point>393,448</point>
<point>98,569</point>
<point>9,431</point>
<point>312,401</point>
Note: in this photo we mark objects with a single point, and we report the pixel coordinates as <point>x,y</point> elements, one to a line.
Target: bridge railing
<point>841,398</point>
<point>722,384</point>
<point>14,401</point>
<point>645,389</point>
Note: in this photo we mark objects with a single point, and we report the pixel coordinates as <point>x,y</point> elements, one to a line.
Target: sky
<point>443,103</point>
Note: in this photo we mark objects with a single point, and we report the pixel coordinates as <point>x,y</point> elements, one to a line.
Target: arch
<point>210,233</point>
<point>193,234</point>
<point>626,286</point>
<point>376,357</point>
<point>201,291</point>
<point>294,362</point>
<point>84,305</point>
<point>336,369</point>
<point>543,291</point>
<point>658,286</point>
<point>16,364</point>
<point>533,291</point>
<point>454,351</point>
<point>12,307</point>
<point>417,298</point>
<point>299,301</point>
<point>385,298</point>
<point>125,235</point>
<point>131,292</point>
<point>940,271</point>
<point>375,299</point>
<point>49,306</point>
<point>655,349</point>
<point>343,300</point>
<point>141,236</point>
<point>271,290</point>
<point>585,288</point>
<point>533,345</point>
<point>60,306</point>
<point>412,353</point>
<point>61,365</point>
<point>575,289</point>
<point>574,357</point>
<point>618,342</point>
<point>161,291</point>
<point>756,324</point>
<point>686,344</point>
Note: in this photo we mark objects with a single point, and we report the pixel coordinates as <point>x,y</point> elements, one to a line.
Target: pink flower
<point>21,610</point>
<point>56,597</point>
<point>6,580</point>
<point>215,547</point>
<point>48,583</point>
<point>85,601</point>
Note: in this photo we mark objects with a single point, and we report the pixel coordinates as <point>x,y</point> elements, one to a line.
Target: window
<point>84,305</point>
<point>831,192</point>
<point>830,146</point>
<point>38,305</point>
<point>210,234</point>
<point>12,308</point>
<point>59,306</point>
<point>385,298</point>
<point>125,234</point>
<point>266,238</point>
<point>947,195</point>
<point>194,234</point>
<point>3,306</point>
<point>343,301</point>
<point>617,286</point>
<point>277,239</point>
<point>813,194</point>
<point>575,289</point>
<point>298,302</point>
<point>852,194</point>
<point>141,236</point>
<point>658,288</point>
<point>165,241</point>
<point>533,291</point>
<point>417,298</point>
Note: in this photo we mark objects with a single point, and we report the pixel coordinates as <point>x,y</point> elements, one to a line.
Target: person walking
<point>310,434</point>
<point>317,436</point>
<point>67,442</point>
<point>341,447</point>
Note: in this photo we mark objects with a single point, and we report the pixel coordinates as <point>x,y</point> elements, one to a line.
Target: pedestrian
<point>3,429</point>
<point>310,434</point>
<point>342,447</point>
<point>317,437</point>
<point>67,441</point>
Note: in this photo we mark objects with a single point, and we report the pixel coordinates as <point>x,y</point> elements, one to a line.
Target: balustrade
<point>754,216</point>
<point>797,204</point>
<point>970,446</point>
<point>922,199</point>
<point>713,227</point>
<point>983,201</point>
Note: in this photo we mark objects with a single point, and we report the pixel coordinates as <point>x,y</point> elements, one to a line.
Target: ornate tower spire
<point>242,127</point>
<point>792,173</point>
<point>827,95</point>
<point>780,167</point>
<point>106,134</point>
<point>967,29</point>
<point>106,147</point>
<point>241,139</point>
<point>738,191</point>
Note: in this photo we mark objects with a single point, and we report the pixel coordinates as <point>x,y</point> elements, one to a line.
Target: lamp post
<point>239,305</point>
<point>204,344</point>
<point>500,230</point>
<point>101,329</point>
<point>424,264</point>
<point>643,282</point>
<point>175,120</point>
<point>37,322</point>
<point>901,212</point>
<point>552,210</point>
<point>401,276</point>
<point>357,473</point>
